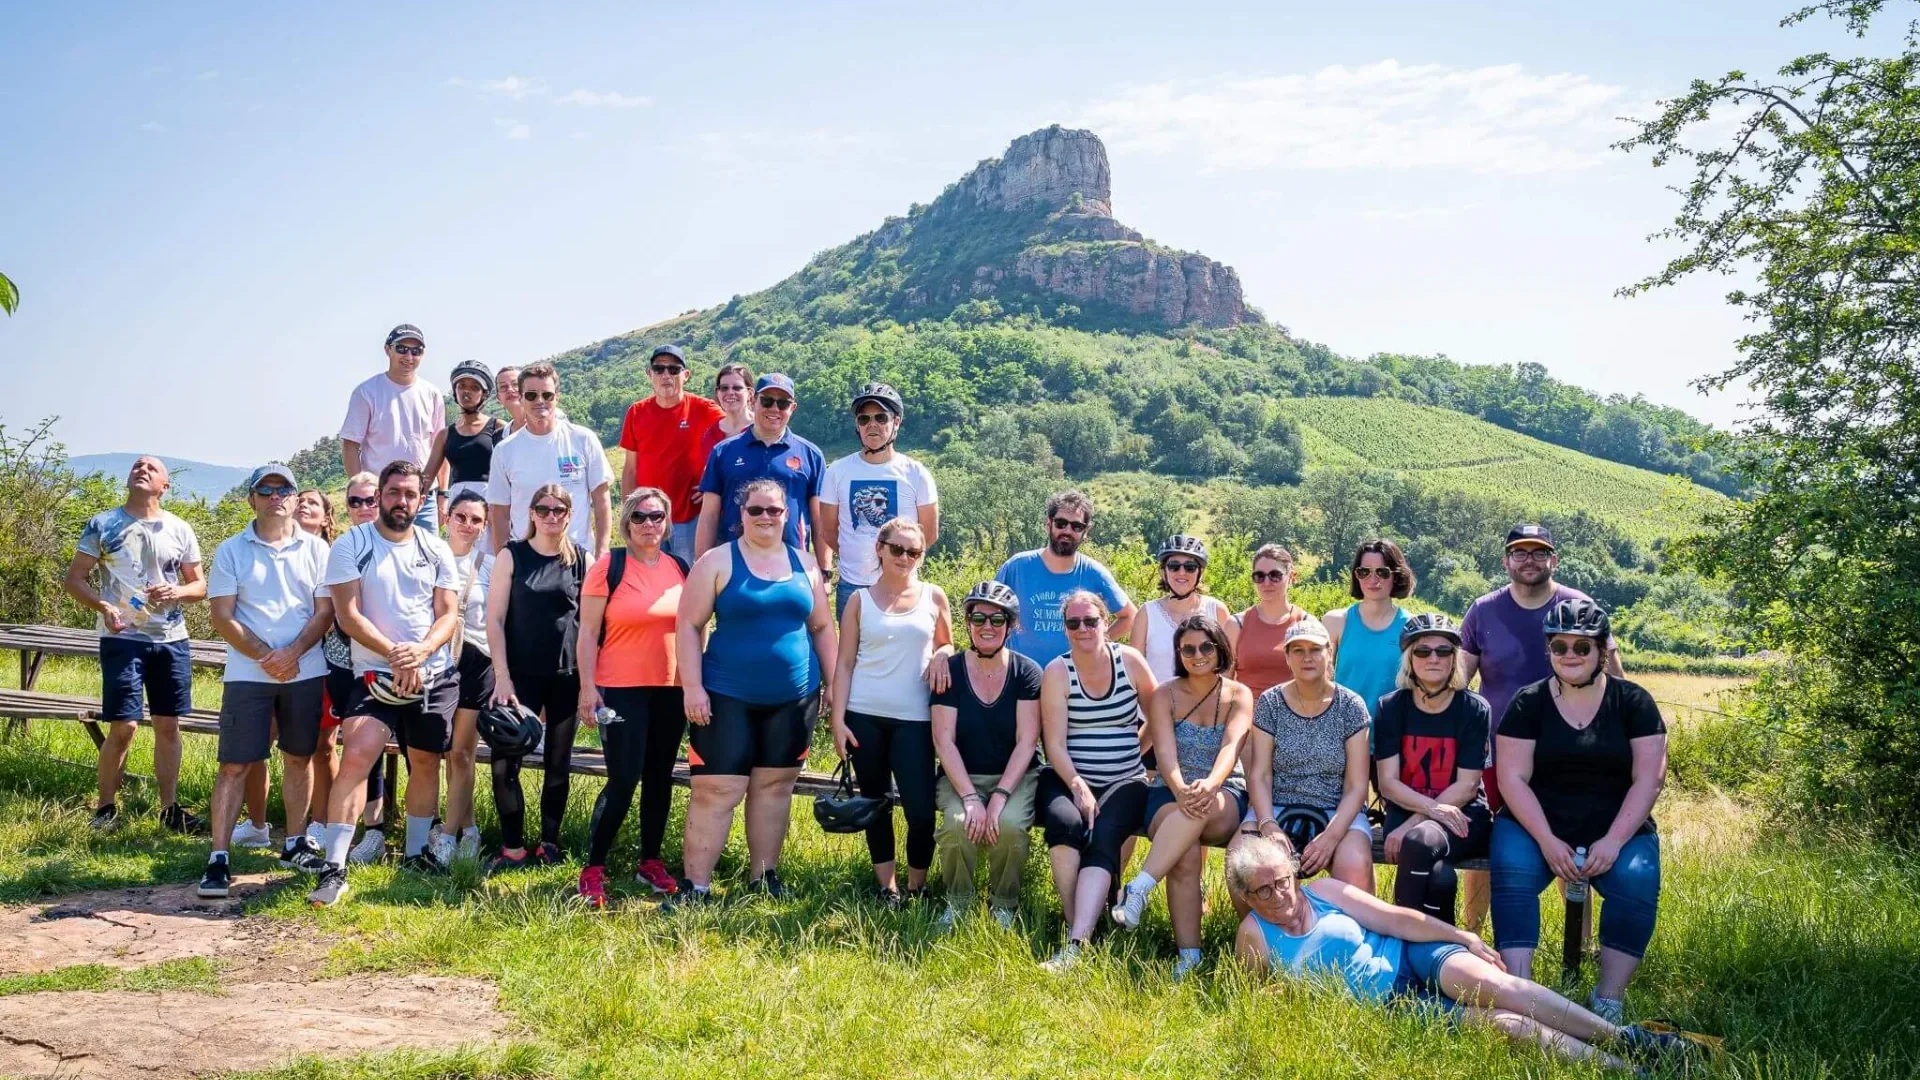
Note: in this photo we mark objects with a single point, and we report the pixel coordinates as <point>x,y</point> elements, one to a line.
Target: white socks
<point>417,830</point>
<point>338,838</point>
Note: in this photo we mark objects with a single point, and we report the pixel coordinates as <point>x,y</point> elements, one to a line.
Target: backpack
<point>617,568</point>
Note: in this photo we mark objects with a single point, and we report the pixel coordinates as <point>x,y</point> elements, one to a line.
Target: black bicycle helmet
<point>1300,824</point>
<point>1427,624</point>
<point>1581,618</point>
<point>887,397</point>
<point>846,810</point>
<point>1182,544</point>
<point>472,369</point>
<point>996,593</point>
<point>510,730</point>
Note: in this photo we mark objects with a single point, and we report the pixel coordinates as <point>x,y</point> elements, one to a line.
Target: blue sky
<point>214,212</point>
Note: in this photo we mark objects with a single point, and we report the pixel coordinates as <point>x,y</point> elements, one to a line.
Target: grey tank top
<point>1198,747</point>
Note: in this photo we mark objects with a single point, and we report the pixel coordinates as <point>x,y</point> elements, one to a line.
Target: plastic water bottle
<point>1577,888</point>
<point>604,715</point>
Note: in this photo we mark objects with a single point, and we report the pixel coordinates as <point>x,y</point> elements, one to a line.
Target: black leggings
<point>1120,810</point>
<point>1425,879</point>
<point>896,754</point>
<point>640,751</point>
<point>558,698</point>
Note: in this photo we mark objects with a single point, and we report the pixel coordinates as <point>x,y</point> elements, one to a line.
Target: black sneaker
<point>893,899</point>
<point>1648,1045</point>
<point>179,819</point>
<point>504,862</point>
<point>105,818</point>
<point>215,883</point>
<point>304,855</point>
<point>424,863</point>
<point>686,896</point>
<point>332,887</point>
<point>770,884</point>
<point>548,853</point>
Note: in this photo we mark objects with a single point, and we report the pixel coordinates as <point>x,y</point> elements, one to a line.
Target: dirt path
<point>269,1007</point>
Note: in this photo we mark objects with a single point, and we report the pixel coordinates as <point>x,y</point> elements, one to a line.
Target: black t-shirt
<point>1431,746</point>
<point>1581,777</point>
<point>985,734</point>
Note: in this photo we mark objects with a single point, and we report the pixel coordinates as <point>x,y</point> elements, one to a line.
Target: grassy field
<point>1769,939</point>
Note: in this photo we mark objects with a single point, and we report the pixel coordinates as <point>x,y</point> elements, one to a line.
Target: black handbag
<point>846,810</point>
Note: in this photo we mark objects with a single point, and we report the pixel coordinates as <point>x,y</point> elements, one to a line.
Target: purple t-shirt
<point>1510,642</point>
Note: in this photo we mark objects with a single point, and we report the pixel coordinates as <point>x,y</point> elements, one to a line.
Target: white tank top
<point>890,670</point>
<point>1159,650</point>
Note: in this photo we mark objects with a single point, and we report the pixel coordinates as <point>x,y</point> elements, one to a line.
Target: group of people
<point>1068,707</point>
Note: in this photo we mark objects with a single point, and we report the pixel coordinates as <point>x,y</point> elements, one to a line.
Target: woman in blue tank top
<point>1366,635</point>
<point>1380,952</point>
<point>752,692</point>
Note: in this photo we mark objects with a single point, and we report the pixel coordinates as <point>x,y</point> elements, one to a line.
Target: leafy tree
<point>9,295</point>
<point>1806,183</point>
<point>320,465</point>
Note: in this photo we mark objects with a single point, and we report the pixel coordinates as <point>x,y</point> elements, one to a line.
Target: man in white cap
<point>396,416</point>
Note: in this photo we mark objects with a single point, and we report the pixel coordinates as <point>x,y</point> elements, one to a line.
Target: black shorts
<point>425,725</point>
<point>475,672</point>
<point>1120,810</point>
<point>1471,846</point>
<point>249,710</point>
<point>129,667</point>
<point>742,736</point>
<point>550,696</point>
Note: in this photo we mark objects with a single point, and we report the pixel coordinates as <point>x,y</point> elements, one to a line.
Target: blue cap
<point>271,468</point>
<point>1530,534</point>
<point>773,380</point>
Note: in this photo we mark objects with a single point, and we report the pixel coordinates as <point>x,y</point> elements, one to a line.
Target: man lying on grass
<point>1383,953</point>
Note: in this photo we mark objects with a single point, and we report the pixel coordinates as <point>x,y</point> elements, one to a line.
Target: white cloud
<point>519,131</point>
<point>1384,115</point>
<point>524,87</point>
<point>609,100</point>
<point>152,125</point>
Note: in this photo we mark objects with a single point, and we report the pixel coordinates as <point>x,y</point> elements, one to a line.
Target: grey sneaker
<point>332,888</point>
<point>372,845</point>
<point>947,920</point>
<point>469,845</point>
<point>1068,956</point>
<point>1612,1010</point>
<point>1132,905</point>
<point>1005,917</point>
<point>1185,966</point>
<point>105,818</point>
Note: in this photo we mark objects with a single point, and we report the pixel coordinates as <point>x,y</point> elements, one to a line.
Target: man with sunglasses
<point>1041,578</point>
<point>766,450</point>
<point>864,491</point>
<point>271,605</point>
<point>396,416</point>
<point>550,450</point>
<point>663,436</point>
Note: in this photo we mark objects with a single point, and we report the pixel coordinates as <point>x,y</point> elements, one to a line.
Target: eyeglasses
<point>539,395</point>
<point>1069,523</point>
<point>988,618</point>
<point>1384,573</point>
<point>409,350</point>
<point>1578,648</point>
<point>868,419</point>
<point>765,511</point>
<point>1082,622</point>
<point>361,502</point>
<point>548,510</point>
<point>274,491</point>
<point>471,521</point>
<point>667,369</point>
<point>771,401</point>
<point>646,517</point>
<point>1261,577</point>
<point>1444,652</point>
<point>1264,892</point>
<point>902,552</point>
<point>1204,648</point>
<point>1538,555</point>
<point>1180,566</point>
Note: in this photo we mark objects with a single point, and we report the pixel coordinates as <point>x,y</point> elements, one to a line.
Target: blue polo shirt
<point>741,459</point>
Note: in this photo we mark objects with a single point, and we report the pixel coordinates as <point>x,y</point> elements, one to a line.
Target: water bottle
<point>604,716</point>
<point>1577,888</point>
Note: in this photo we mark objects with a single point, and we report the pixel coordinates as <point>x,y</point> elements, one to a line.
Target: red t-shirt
<point>665,446</point>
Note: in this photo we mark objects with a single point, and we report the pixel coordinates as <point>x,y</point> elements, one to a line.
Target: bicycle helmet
<point>1581,618</point>
<point>475,370</point>
<point>1428,624</point>
<point>511,730</point>
<point>381,689</point>
<point>846,810</point>
<point>995,593</point>
<point>1182,544</point>
<point>887,397</point>
<point>1300,824</point>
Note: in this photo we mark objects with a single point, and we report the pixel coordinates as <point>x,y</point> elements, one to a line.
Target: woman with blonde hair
<point>533,621</point>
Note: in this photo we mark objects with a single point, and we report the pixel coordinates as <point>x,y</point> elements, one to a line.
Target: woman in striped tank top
<point>1093,793</point>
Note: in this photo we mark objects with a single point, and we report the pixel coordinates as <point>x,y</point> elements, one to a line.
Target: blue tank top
<point>1337,945</point>
<point>760,650</point>
<point>1369,660</point>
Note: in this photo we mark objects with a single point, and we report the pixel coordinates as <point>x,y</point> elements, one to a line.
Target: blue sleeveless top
<point>1367,962</point>
<point>1368,662</point>
<point>760,651</point>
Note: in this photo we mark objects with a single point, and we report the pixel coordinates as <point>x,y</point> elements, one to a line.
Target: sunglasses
<point>730,388</point>
<point>986,618</point>
<point>1082,622</point>
<point>1578,648</point>
<point>765,511</point>
<point>667,369</point>
<point>409,350</point>
<point>274,491</point>
<point>769,401</point>
<point>1384,573</point>
<point>1261,577</point>
<point>548,510</point>
<point>646,517</point>
<point>902,552</point>
<point>471,521</point>
<point>1069,523</point>
<point>868,419</point>
<point>359,502</point>
<point>1180,566</point>
<point>1204,648</point>
<point>1444,652</point>
<point>539,395</point>
<point>1538,555</point>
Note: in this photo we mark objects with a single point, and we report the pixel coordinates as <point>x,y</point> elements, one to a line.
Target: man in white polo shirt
<point>271,607</point>
<point>549,450</point>
<point>395,416</point>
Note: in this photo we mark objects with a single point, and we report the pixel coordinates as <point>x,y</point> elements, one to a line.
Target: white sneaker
<point>1132,905</point>
<point>1068,956</point>
<point>442,847</point>
<point>1185,966</point>
<point>469,844</point>
<point>945,923</point>
<point>372,845</point>
<point>1005,916</point>
<point>248,835</point>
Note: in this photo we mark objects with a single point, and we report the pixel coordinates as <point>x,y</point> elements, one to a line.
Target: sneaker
<point>372,845</point>
<point>304,855</point>
<point>503,862</point>
<point>653,874</point>
<point>547,853</point>
<point>443,848</point>
<point>178,819</point>
<point>215,882</point>
<point>770,884</point>
<point>1612,1010</point>
<point>424,863</point>
<point>892,899</point>
<point>948,919</point>
<point>1132,905</point>
<point>248,835</point>
<point>593,886</point>
<point>686,896</point>
<point>1649,1045</point>
<point>105,818</point>
<point>469,845</point>
<point>1068,956</point>
<point>332,887</point>
<point>1185,966</point>
<point>1005,916</point>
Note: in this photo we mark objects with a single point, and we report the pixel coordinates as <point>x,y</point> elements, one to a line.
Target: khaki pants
<point>958,858</point>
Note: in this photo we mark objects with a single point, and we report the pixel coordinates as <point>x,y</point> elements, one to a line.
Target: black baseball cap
<point>669,350</point>
<point>1530,534</point>
<point>404,331</point>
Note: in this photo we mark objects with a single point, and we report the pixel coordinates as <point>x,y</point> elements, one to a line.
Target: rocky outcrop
<point>1048,167</point>
<point>1174,288</point>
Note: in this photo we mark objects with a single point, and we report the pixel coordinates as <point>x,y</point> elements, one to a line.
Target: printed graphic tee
<point>1042,635</point>
<point>868,496</point>
<point>570,455</point>
<point>134,554</point>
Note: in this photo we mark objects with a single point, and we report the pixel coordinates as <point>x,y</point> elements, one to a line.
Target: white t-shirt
<point>393,422</point>
<point>473,626</point>
<point>134,554</point>
<point>570,455</point>
<point>397,582</point>
<point>869,495</point>
<point>274,589</point>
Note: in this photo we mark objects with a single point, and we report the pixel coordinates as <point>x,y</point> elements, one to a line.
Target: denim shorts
<point>1160,795</point>
<point>130,667</point>
<point>1419,978</point>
